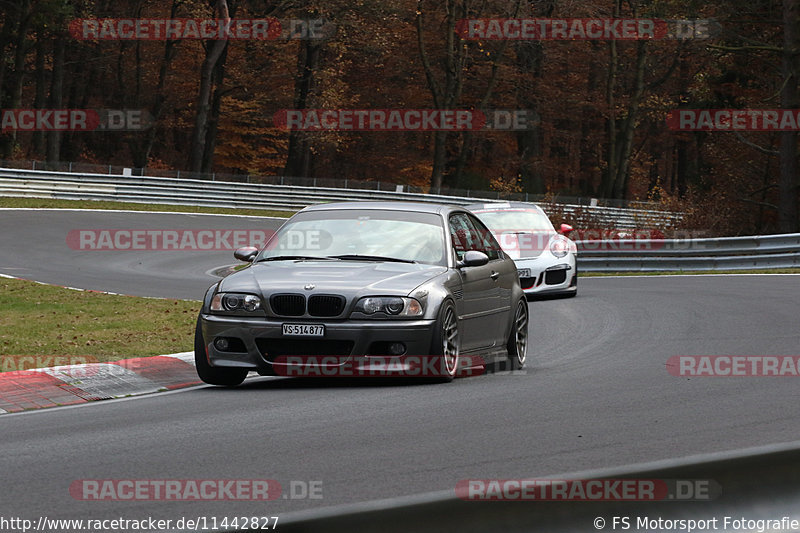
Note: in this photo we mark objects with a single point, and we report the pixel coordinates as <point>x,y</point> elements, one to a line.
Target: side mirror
<point>473,258</point>
<point>565,229</point>
<point>246,254</point>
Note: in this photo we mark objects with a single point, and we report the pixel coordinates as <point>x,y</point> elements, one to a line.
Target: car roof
<point>498,206</point>
<point>418,207</point>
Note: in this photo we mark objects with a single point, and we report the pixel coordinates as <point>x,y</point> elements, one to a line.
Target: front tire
<point>517,345</point>
<point>226,377</point>
<point>446,342</point>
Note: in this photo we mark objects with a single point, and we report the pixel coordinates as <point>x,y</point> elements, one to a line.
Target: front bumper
<point>355,344</point>
<point>548,274</point>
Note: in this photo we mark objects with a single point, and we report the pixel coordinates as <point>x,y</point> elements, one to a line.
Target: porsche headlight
<point>232,302</point>
<point>559,247</point>
<point>389,305</point>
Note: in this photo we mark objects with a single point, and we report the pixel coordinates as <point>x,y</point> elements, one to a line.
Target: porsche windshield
<point>361,235</point>
<point>512,220</point>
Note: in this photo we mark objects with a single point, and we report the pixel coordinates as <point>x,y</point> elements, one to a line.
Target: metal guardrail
<point>625,255</point>
<point>65,185</point>
<point>756,484</point>
<point>335,183</point>
<point>724,253</point>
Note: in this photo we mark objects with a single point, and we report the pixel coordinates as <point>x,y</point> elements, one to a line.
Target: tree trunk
<point>623,163</point>
<point>298,160</point>
<point>529,142</point>
<point>787,186</point>
<point>41,92</point>
<point>213,122</point>
<point>467,136</point>
<point>203,103</point>
<point>141,150</point>
<point>439,160</point>
<point>5,39</point>
<point>591,122</point>
<point>56,97</point>
<point>15,83</point>
<point>446,97</point>
<point>607,186</point>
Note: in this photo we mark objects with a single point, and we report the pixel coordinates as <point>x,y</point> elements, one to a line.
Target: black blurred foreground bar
<point>756,484</point>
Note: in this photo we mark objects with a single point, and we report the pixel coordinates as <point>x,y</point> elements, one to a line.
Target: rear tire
<point>446,343</point>
<point>226,377</point>
<point>517,345</point>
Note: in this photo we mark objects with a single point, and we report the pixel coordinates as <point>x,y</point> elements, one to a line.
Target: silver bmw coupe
<point>366,289</point>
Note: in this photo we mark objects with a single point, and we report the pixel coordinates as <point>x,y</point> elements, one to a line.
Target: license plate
<point>303,330</point>
<point>524,272</point>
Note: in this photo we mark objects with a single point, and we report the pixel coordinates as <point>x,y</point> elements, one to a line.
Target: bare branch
<point>754,145</point>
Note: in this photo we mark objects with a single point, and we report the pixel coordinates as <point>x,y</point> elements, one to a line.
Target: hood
<point>524,244</point>
<point>338,277</point>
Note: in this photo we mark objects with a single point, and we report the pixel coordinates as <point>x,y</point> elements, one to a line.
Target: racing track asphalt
<point>34,246</point>
<point>596,394</point>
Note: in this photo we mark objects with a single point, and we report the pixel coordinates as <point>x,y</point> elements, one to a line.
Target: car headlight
<point>389,305</point>
<point>559,247</point>
<point>235,302</point>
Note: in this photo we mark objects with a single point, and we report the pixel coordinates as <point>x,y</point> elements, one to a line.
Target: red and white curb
<point>76,384</point>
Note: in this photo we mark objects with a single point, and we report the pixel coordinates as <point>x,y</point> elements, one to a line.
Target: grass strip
<point>45,320</point>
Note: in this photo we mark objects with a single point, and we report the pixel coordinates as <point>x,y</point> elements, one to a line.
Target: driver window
<point>463,235</point>
<point>487,243</point>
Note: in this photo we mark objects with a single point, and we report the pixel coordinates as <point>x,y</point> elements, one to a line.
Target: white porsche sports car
<point>546,259</point>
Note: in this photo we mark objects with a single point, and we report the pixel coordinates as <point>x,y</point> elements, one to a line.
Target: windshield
<point>370,235</point>
<point>515,220</point>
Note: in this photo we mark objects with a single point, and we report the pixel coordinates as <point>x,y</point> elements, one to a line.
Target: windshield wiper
<point>358,257</point>
<point>296,258</point>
